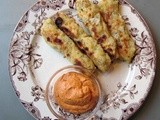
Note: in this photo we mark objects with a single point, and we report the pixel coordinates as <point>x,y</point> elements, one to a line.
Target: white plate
<point>32,62</point>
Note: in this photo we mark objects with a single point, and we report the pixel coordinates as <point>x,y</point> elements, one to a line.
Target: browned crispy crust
<point>58,40</point>
<point>87,44</point>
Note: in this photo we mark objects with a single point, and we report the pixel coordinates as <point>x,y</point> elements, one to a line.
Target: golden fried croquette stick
<point>90,15</point>
<point>60,41</point>
<point>111,14</point>
<point>86,43</point>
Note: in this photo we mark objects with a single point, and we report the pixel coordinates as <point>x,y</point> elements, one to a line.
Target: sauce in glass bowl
<point>73,92</point>
<point>76,92</point>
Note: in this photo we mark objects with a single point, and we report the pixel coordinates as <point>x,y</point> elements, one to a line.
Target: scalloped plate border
<point>22,52</point>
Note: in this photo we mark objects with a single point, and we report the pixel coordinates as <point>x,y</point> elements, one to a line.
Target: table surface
<point>10,13</point>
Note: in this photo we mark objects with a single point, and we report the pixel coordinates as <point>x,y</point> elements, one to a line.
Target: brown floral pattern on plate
<point>22,55</point>
<point>25,60</point>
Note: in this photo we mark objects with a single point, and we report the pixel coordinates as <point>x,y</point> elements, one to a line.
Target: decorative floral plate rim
<point>21,36</point>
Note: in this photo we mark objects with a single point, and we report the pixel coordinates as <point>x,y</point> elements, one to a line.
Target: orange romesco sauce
<point>76,93</point>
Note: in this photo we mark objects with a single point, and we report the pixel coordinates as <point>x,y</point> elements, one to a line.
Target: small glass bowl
<point>56,109</point>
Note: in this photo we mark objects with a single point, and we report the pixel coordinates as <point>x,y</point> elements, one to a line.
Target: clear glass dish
<point>59,112</point>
